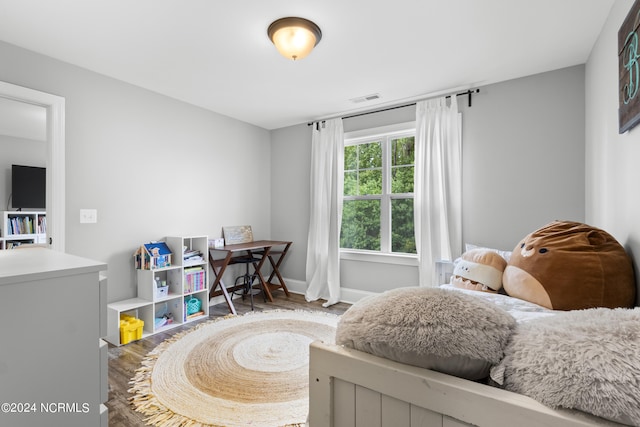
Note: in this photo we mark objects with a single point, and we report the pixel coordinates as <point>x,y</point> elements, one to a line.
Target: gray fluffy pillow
<point>586,359</point>
<point>433,328</point>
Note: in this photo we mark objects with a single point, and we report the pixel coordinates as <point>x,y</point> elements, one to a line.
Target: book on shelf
<point>192,256</point>
<point>194,315</point>
<point>22,225</point>
<point>191,252</point>
<point>42,224</point>
<point>194,279</point>
<point>13,245</point>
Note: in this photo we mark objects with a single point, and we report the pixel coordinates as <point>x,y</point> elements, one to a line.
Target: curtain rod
<point>468,92</point>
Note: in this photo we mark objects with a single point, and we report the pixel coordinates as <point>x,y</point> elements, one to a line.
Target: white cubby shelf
<point>22,227</point>
<point>185,278</point>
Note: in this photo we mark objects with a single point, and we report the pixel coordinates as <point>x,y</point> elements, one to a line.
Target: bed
<point>544,335</point>
<point>352,388</point>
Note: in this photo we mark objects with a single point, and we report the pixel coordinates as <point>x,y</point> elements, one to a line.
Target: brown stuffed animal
<point>568,266</point>
<point>479,270</point>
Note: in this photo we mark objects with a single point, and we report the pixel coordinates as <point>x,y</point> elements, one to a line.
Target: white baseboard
<point>347,295</point>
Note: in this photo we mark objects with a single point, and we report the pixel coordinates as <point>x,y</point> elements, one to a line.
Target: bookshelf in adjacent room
<point>175,293</point>
<point>22,227</point>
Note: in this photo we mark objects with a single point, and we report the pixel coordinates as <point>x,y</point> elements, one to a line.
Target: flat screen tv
<point>28,187</point>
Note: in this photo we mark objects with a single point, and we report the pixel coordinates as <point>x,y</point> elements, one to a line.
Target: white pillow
<point>433,328</point>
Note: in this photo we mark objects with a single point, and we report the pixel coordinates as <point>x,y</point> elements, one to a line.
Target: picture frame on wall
<point>629,70</point>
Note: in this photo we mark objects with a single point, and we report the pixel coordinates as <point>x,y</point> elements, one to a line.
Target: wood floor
<point>124,360</point>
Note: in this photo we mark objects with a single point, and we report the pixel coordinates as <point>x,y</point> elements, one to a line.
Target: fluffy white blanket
<point>585,359</point>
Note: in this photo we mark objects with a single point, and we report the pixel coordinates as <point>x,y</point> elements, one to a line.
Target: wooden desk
<point>257,247</point>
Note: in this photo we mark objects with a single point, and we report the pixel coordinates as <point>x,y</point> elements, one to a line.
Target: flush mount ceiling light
<point>294,37</point>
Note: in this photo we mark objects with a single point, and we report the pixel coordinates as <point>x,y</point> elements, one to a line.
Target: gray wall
<point>523,157</point>
<point>152,166</point>
<point>523,166</point>
<point>611,159</point>
<point>290,159</point>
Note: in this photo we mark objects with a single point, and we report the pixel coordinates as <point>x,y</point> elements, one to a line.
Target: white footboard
<point>349,388</point>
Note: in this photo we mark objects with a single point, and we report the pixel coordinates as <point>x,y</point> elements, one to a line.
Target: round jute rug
<point>250,370</point>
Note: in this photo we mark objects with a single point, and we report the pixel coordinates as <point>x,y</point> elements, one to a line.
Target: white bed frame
<point>349,388</point>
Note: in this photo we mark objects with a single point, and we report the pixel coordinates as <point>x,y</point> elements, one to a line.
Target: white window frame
<point>384,255</point>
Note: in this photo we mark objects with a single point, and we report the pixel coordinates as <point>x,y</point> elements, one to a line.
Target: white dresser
<point>53,364</point>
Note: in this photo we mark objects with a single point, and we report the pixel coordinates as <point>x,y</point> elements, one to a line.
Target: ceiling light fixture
<point>294,37</point>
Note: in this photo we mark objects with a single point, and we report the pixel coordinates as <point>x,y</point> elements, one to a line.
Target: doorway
<point>55,142</point>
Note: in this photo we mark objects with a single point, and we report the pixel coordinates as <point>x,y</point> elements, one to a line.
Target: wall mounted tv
<point>28,187</point>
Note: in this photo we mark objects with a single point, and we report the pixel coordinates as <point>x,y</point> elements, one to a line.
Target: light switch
<point>88,216</point>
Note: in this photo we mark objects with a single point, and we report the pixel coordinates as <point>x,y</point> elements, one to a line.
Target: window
<point>377,214</point>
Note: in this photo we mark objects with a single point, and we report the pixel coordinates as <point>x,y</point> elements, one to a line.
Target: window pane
<point>368,182</point>
<point>402,231</point>
<point>370,155</point>
<point>365,178</point>
<point>402,151</point>
<point>360,225</point>
<point>371,182</point>
<point>351,183</point>
<point>351,157</point>
<point>402,160</point>
<point>402,179</point>
<point>362,169</point>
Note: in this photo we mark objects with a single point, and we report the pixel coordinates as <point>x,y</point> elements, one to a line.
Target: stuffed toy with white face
<point>479,270</point>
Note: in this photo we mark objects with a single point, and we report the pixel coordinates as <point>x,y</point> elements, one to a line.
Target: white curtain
<point>437,185</point>
<point>323,246</point>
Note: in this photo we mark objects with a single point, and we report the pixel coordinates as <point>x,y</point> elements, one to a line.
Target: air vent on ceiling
<point>365,98</point>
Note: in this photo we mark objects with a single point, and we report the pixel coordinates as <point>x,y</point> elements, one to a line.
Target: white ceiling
<point>216,54</point>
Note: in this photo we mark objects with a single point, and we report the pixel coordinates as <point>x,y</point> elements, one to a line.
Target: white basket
<point>162,292</point>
